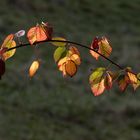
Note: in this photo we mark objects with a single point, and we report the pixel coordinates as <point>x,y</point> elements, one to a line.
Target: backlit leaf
<point>95,47</point>
<point>37,33</point>
<point>108,81</point>
<point>59,44</point>
<point>123,83</point>
<point>7,44</point>
<point>73,50</point>
<point>102,46</point>
<point>96,80</point>
<point>71,68</point>
<point>59,53</point>
<point>76,59</point>
<point>33,68</point>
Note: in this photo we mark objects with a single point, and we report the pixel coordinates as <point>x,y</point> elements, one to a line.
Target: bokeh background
<point>51,107</point>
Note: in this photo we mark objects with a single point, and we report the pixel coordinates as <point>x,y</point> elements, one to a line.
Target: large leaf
<point>8,44</point>
<point>57,43</point>
<point>59,52</point>
<point>96,80</point>
<point>38,33</point>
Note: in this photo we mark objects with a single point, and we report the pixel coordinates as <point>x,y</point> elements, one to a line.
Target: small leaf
<point>108,81</point>
<point>59,44</point>
<point>59,53</point>
<point>95,47</point>
<point>123,83</point>
<point>2,68</point>
<point>20,33</point>
<point>76,59</point>
<point>71,68</point>
<point>33,68</point>
<point>7,44</point>
<point>73,50</point>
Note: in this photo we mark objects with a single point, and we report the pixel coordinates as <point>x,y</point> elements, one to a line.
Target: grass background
<point>51,107</point>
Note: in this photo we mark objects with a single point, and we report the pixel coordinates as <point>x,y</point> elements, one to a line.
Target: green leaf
<point>59,52</point>
<point>97,73</point>
<point>59,44</point>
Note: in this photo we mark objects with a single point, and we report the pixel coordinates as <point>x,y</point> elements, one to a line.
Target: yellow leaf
<point>57,43</point>
<point>76,59</point>
<point>73,50</point>
<point>33,68</point>
<point>7,44</point>
<point>105,47</point>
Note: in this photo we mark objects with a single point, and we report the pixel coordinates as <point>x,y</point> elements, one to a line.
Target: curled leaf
<point>33,68</point>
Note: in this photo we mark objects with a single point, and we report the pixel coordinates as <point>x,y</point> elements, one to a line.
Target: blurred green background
<point>49,107</point>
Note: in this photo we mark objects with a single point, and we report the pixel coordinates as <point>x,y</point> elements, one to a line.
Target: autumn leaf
<point>96,80</point>
<point>95,47</point>
<point>76,59</point>
<point>123,82</point>
<point>108,81</point>
<point>38,33</point>
<point>105,47</point>
<point>73,50</point>
<point>70,68</point>
<point>8,44</point>
<point>2,68</point>
<point>59,52</point>
<point>59,44</point>
<point>33,68</point>
<point>102,46</point>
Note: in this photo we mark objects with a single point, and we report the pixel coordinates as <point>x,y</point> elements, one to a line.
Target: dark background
<point>51,107</point>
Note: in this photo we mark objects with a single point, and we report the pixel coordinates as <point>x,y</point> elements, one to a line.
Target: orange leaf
<point>33,68</point>
<point>76,59</point>
<point>73,50</point>
<point>71,68</point>
<point>98,87</point>
<point>36,34</point>
<point>96,80</point>
<point>7,44</point>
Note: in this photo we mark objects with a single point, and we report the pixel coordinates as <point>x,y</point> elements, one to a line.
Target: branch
<point>71,42</point>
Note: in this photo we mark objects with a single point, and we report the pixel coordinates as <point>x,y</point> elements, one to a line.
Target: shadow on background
<point>51,107</point>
